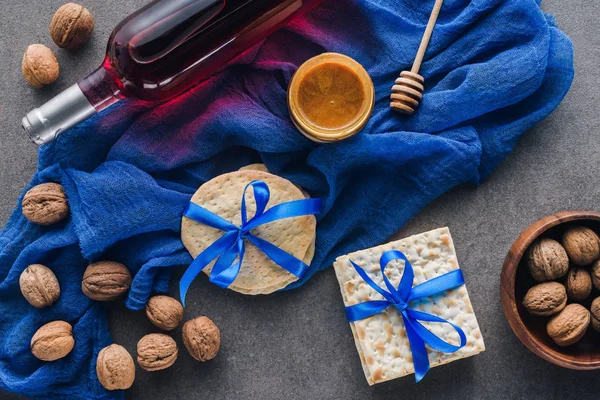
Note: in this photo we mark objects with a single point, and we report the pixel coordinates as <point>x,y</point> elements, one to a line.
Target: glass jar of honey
<point>330,98</point>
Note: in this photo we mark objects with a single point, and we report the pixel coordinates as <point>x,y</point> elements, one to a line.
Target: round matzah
<point>222,196</point>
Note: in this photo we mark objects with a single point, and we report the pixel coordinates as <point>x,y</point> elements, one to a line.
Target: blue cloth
<point>494,68</point>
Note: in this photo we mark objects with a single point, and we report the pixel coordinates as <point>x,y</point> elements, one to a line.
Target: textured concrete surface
<point>297,345</point>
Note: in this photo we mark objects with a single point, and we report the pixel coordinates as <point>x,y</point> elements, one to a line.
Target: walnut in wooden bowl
<point>578,345</point>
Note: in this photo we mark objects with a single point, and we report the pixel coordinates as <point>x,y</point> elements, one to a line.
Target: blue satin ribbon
<point>230,246</point>
<point>399,298</point>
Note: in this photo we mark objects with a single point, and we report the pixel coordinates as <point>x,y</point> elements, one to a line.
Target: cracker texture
<point>381,340</point>
<point>254,167</point>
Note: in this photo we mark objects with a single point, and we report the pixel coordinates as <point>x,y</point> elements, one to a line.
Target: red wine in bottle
<point>160,51</point>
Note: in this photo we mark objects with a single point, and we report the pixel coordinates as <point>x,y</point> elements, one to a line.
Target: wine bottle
<point>160,51</point>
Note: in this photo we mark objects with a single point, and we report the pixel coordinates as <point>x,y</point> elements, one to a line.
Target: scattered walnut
<point>71,26</point>
<point>547,260</point>
<point>156,351</point>
<point>115,368</point>
<point>105,280</point>
<point>595,314</point>
<point>39,286</point>
<point>53,341</point>
<point>202,338</point>
<point>545,299</point>
<point>582,245</point>
<point>39,66</point>
<point>595,273</point>
<point>45,204</point>
<point>568,326</point>
<point>579,284</point>
<point>165,312</point>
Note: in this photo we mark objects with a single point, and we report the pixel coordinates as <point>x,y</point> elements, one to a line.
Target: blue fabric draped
<point>400,299</point>
<point>494,68</point>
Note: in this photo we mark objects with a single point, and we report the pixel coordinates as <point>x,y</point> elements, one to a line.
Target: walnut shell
<point>39,286</point>
<point>45,204</point>
<point>582,245</point>
<point>39,66</point>
<point>595,274</point>
<point>53,341</point>
<point>595,314</point>
<point>579,284</point>
<point>115,368</point>
<point>164,312</point>
<point>156,351</point>
<point>547,260</point>
<point>105,280</point>
<point>202,338</point>
<point>545,299</point>
<point>71,26</point>
<point>568,326</point>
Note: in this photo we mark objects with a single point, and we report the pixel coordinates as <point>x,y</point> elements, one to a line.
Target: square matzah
<point>381,340</point>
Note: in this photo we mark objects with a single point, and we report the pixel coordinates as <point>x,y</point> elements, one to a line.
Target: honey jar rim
<point>321,134</point>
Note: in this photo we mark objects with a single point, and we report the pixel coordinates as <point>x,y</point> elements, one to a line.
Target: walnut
<point>582,245</point>
<point>545,299</point>
<point>39,66</point>
<point>165,312</point>
<point>156,351</point>
<point>595,273</point>
<point>71,26</point>
<point>45,204</point>
<point>547,260</point>
<point>105,280</point>
<point>202,338</point>
<point>595,314</point>
<point>53,341</point>
<point>568,326</point>
<point>579,284</point>
<point>39,286</point>
<point>115,368</point>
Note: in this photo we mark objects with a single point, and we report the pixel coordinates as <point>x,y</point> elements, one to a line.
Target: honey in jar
<point>330,97</point>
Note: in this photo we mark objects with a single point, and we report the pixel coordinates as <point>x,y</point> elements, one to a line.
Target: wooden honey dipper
<point>407,91</point>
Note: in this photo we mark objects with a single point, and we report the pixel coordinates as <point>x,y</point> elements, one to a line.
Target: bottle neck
<point>79,102</point>
<point>101,87</point>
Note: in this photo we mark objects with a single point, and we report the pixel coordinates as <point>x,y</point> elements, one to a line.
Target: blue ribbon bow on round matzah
<point>399,298</point>
<point>230,246</point>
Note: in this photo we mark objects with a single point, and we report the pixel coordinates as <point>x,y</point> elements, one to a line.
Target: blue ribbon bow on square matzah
<point>399,298</point>
<point>230,246</point>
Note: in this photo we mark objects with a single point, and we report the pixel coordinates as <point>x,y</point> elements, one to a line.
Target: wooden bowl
<point>515,281</point>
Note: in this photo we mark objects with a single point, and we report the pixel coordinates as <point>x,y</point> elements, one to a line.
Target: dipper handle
<point>426,36</point>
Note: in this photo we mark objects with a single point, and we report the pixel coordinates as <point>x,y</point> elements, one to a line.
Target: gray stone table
<point>297,345</point>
